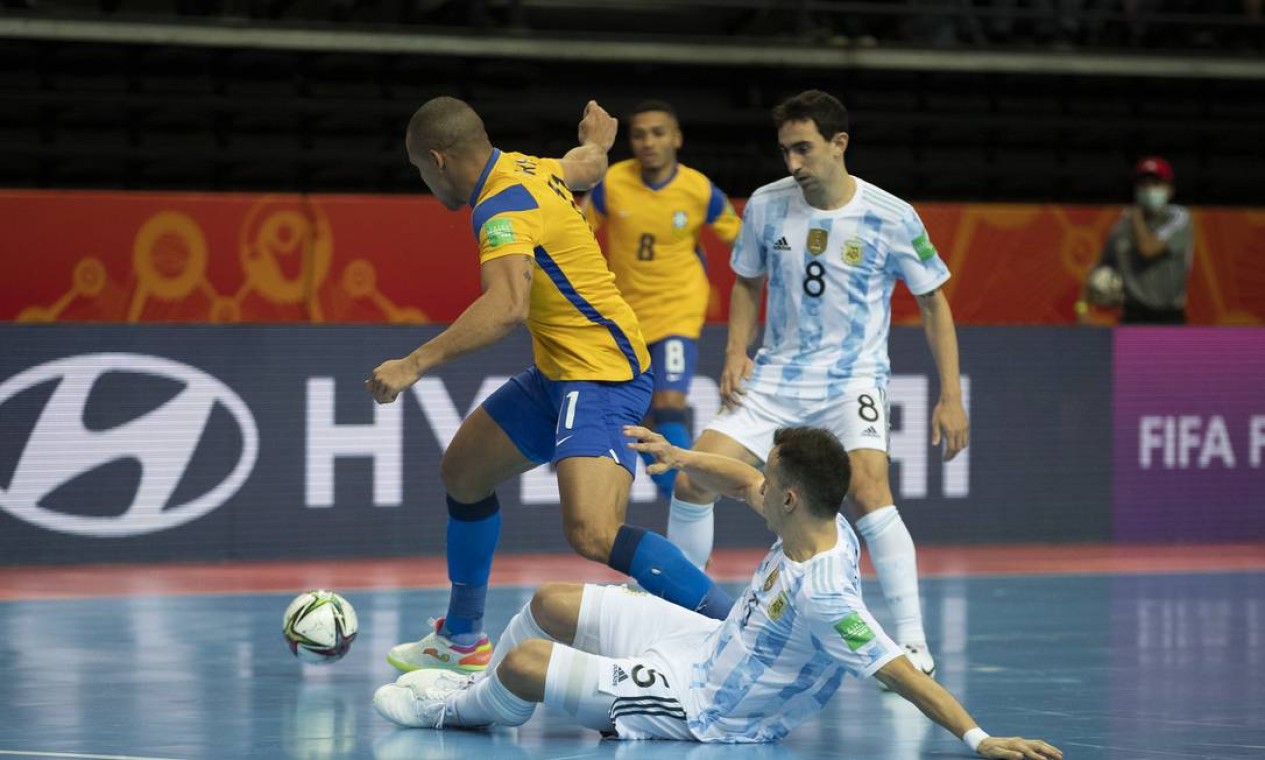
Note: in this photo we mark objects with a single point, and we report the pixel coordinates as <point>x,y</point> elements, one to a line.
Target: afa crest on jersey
<point>769,581</point>
<point>852,251</point>
<point>777,606</point>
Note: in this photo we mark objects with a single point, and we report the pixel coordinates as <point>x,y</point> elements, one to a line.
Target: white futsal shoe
<point>921,657</point>
<point>419,699</point>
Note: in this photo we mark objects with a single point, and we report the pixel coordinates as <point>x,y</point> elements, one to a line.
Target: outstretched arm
<point>939,705</point>
<point>735,479</point>
<point>948,419</point>
<point>502,307</point>
<point>585,166</point>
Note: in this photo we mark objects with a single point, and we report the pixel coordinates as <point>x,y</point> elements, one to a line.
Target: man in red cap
<point>1148,254</point>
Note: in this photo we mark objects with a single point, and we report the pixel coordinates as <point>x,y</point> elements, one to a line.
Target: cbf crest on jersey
<point>852,251</point>
<point>817,239</point>
<point>680,219</point>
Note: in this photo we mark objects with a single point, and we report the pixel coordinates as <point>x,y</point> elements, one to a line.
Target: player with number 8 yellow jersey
<point>654,210</point>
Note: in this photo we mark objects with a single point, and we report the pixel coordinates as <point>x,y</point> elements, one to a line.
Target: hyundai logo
<point>162,441</point>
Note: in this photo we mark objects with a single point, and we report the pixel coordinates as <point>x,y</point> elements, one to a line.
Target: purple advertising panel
<point>1189,434</point>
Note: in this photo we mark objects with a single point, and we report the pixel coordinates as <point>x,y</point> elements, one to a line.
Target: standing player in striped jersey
<point>629,664</point>
<point>541,266</point>
<point>654,210</point>
<point>832,247</point>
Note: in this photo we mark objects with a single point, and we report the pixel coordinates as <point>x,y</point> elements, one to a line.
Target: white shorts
<point>859,419</point>
<point>646,648</point>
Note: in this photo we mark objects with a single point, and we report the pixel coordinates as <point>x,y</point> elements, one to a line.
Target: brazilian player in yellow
<point>654,210</point>
<point>541,266</point>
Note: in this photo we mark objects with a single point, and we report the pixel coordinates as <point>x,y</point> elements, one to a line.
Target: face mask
<point>1152,198</point>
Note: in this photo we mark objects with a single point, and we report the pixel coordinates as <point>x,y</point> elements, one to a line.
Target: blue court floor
<point>1128,666</point>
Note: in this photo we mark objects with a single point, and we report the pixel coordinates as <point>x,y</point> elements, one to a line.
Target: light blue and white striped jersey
<point>831,276</point>
<point>786,646</point>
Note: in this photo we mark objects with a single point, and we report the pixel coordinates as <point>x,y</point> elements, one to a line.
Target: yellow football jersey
<point>652,243</point>
<point>581,328</point>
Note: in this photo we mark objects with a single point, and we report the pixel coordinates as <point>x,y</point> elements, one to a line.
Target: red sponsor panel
<point>149,257</point>
<point>173,257</point>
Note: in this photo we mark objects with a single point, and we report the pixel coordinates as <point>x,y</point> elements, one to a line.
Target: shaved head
<point>445,124</point>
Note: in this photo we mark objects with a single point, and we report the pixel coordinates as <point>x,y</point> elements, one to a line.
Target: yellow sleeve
<point>728,225</point>
<point>595,218</point>
<point>721,216</point>
<point>508,223</point>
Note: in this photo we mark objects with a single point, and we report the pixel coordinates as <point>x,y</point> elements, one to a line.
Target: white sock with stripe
<point>896,563</point>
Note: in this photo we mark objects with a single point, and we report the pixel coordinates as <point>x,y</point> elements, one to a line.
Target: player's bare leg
<point>556,608</point>
<point>690,522</point>
<point>594,494</point>
<point>891,550</point>
<point>480,457</point>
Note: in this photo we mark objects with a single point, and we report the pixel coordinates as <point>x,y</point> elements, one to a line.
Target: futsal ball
<point>320,626</point>
<point>1105,287</point>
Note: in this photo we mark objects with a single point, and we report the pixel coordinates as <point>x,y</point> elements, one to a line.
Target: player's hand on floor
<point>737,370</point>
<point>390,378</point>
<point>598,126</point>
<point>948,421</point>
<point>1018,748</point>
<point>650,442</point>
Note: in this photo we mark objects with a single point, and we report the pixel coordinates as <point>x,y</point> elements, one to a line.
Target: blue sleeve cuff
<point>597,196</point>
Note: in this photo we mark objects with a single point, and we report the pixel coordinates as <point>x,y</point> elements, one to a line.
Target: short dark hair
<point>813,460</point>
<point>821,108</point>
<point>444,123</point>
<point>653,106</point>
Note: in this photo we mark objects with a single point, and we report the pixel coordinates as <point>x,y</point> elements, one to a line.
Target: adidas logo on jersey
<point>618,676</point>
<point>870,431</point>
<point>781,244</point>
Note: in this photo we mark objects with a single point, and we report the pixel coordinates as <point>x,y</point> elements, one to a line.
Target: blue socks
<point>664,571</point>
<point>473,530</point>
<point>671,424</point>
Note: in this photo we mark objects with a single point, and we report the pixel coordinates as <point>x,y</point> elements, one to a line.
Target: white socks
<point>571,686</point>
<point>892,552</point>
<point>692,529</point>
<point>522,627</point>
<point>487,703</point>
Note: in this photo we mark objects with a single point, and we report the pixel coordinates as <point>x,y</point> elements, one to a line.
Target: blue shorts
<point>674,360</point>
<point>551,420</point>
